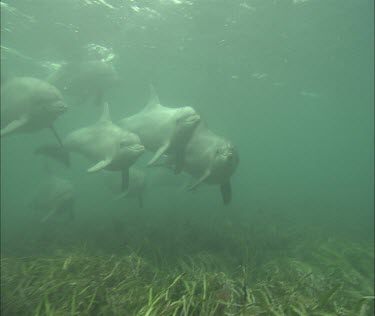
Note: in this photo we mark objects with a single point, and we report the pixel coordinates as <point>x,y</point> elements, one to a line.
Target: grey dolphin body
<point>163,130</point>
<point>211,159</point>
<point>28,105</point>
<point>84,81</point>
<point>55,196</point>
<point>104,143</point>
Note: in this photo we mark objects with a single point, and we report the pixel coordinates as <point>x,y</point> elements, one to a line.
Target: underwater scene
<point>187,157</point>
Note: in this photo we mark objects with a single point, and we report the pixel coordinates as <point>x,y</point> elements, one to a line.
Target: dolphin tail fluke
<point>55,152</point>
<point>226,192</point>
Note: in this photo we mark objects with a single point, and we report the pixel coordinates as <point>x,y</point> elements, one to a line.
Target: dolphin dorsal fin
<point>105,114</point>
<point>153,100</point>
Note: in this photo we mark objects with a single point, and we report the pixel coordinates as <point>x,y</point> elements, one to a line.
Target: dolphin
<point>137,186</point>
<point>105,144</point>
<point>211,159</point>
<point>54,196</point>
<point>28,105</point>
<point>86,80</point>
<point>163,130</point>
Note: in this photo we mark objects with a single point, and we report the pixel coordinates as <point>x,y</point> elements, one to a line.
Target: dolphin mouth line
<point>228,155</point>
<point>137,147</point>
<point>61,106</point>
<point>193,119</point>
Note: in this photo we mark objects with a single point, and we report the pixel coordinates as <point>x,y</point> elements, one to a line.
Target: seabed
<point>325,277</point>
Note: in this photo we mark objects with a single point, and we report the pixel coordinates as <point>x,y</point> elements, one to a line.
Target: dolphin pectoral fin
<point>161,150</point>
<point>226,192</point>
<point>124,180</point>
<point>200,180</point>
<point>99,166</point>
<point>56,135</point>
<point>56,152</point>
<point>13,126</point>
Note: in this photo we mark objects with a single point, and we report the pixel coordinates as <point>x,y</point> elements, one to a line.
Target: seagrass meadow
<point>285,89</point>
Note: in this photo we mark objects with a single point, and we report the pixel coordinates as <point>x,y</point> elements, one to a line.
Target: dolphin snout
<point>194,118</point>
<point>230,156</point>
<point>137,147</point>
<point>61,106</point>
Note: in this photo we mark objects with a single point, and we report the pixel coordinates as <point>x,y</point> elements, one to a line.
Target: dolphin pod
<point>177,137</point>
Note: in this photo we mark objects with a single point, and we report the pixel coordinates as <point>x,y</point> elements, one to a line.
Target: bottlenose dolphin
<point>104,143</point>
<point>54,196</point>
<point>28,105</point>
<point>211,159</point>
<point>163,130</point>
<point>137,186</point>
<point>85,81</point>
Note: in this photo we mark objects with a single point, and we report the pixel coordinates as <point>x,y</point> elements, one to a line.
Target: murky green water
<point>288,82</point>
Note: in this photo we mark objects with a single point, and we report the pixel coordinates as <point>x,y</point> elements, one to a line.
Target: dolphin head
<point>130,148</point>
<point>58,107</point>
<point>225,159</point>
<point>49,102</point>
<point>187,119</point>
